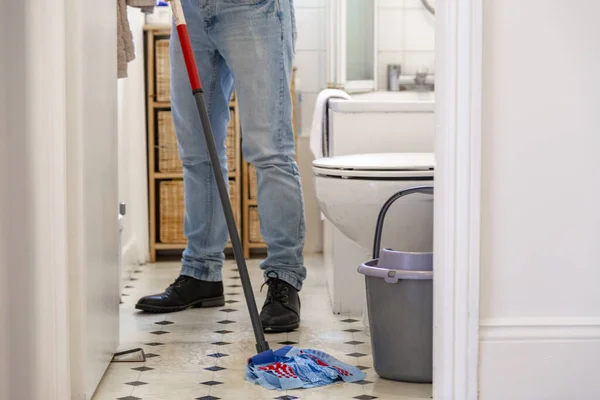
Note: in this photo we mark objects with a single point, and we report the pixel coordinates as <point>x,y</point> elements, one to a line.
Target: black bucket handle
<point>385,208</point>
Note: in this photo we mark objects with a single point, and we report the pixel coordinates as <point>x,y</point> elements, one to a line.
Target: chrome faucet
<point>422,81</point>
<point>420,78</point>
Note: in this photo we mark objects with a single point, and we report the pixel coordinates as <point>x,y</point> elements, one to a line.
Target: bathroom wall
<point>133,184</point>
<point>58,219</point>
<point>540,313</point>
<point>406,36</point>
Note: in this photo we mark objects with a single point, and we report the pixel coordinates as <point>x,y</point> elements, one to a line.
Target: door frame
<point>457,200</point>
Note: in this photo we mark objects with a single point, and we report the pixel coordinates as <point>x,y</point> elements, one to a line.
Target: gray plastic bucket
<point>399,289</point>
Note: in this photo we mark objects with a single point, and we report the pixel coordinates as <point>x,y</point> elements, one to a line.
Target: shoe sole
<point>281,329</point>
<point>202,303</point>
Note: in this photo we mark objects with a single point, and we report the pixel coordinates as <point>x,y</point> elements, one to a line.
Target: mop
<point>288,367</point>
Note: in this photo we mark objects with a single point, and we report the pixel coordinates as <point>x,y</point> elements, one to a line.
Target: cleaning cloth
<point>293,368</point>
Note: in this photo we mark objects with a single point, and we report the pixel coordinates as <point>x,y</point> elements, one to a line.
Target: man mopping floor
<point>268,20</point>
<point>248,44</point>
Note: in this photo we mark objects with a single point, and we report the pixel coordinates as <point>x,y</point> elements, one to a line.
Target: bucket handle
<point>385,208</point>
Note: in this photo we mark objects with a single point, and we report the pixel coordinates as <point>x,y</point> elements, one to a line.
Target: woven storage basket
<point>253,182</point>
<point>163,74</point>
<point>230,143</point>
<point>168,152</point>
<point>172,210</point>
<point>254,228</point>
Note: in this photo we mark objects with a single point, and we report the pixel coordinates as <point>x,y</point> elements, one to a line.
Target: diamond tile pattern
<point>218,355</point>
<point>212,383</point>
<point>136,383</point>
<point>159,332</point>
<point>142,369</point>
<point>353,342</point>
<point>356,355</point>
<point>188,364</point>
<point>215,368</point>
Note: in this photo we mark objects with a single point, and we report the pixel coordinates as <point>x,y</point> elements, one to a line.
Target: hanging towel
<point>125,48</point>
<point>319,144</point>
<point>293,368</point>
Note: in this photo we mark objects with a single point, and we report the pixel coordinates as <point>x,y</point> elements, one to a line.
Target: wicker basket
<point>254,226</point>
<point>168,152</point>
<point>163,72</point>
<point>252,182</point>
<point>230,143</point>
<point>172,210</point>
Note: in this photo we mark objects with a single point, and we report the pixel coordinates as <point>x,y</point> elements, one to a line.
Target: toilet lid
<point>377,165</point>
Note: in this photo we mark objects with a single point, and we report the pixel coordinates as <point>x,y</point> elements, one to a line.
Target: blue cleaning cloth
<point>293,368</point>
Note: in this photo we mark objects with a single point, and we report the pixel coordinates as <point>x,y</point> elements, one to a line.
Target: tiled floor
<point>201,353</point>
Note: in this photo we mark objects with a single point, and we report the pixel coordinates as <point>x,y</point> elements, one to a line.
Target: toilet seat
<point>377,166</point>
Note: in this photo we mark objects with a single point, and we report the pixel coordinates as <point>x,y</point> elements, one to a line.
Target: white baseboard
<point>542,358</point>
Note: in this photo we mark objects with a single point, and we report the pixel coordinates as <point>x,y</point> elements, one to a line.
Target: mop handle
<point>186,45</point>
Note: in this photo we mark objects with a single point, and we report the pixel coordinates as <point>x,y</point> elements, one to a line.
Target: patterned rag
<point>293,368</point>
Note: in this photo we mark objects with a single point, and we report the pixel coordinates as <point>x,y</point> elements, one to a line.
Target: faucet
<point>420,78</point>
<point>422,81</point>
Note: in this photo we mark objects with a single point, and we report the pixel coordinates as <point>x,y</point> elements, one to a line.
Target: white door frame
<point>457,205</point>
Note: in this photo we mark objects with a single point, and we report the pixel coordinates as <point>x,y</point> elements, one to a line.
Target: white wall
<point>58,203</point>
<point>540,303</point>
<point>133,181</point>
<point>34,338</point>
<point>406,36</point>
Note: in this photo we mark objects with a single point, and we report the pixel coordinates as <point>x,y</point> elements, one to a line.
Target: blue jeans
<point>248,44</point>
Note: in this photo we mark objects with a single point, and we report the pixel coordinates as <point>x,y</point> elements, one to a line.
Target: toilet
<point>350,191</point>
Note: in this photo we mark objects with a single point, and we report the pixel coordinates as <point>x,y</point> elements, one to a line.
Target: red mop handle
<point>186,45</point>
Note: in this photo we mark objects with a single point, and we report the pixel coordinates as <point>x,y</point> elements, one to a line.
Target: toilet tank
<point>379,122</point>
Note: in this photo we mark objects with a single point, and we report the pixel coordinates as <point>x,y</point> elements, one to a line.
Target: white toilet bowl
<point>351,190</point>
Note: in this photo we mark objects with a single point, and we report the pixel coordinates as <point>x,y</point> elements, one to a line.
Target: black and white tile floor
<point>200,354</point>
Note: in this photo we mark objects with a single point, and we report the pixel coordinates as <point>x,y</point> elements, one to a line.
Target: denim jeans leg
<point>256,39</point>
<point>204,226</point>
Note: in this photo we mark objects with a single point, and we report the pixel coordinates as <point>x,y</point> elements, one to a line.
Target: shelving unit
<point>165,187</point>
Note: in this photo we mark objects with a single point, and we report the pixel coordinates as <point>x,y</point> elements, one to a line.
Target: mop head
<point>293,368</point>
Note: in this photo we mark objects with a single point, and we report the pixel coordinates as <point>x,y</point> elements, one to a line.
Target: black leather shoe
<point>186,292</point>
<point>281,311</point>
